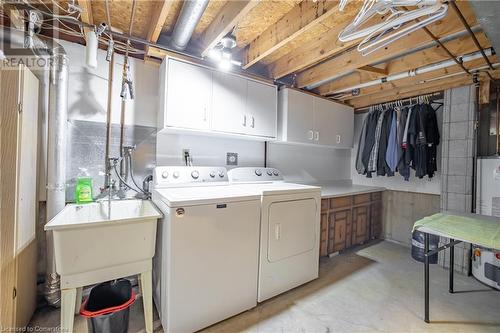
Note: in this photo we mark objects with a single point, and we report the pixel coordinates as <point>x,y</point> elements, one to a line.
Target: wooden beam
<point>412,90</point>
<point>453,69</point>
<point>318,49</point>
<point>459,46</point>
<point>224,22</point>
<point>352,59</point>
<point>160,13</point>
<point>15,16</point>
<point>86,14</point>
<point>300,19</point>
<point>373,69</point>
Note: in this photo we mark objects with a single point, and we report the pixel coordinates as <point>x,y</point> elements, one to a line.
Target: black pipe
<point>452,264</point>
<point>426,277</point>
<point>265,154</point>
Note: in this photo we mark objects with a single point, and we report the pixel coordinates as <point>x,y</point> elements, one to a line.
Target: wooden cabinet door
<point>360,224</point>
<point>189,94</point>
<point>339,222</point>
<point>261,109</point>
<point>376,219</point>
<point>229,104</point>
<point>323,245</point>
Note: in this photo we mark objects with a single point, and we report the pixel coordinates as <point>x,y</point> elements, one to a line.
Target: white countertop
<point>341,188</point>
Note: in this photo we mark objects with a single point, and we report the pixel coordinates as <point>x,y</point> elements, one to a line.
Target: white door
<point>300,117</point>
<point>324,122</point>
<point>292,230</point>
<point>261,109</point>
<point>27,161</point>
<point>189,93</point>
<point>344,126</point>
<point>212,264</point>
<point>229,103</point>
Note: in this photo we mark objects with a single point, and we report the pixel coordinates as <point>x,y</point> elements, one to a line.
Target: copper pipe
<point>471,33</point>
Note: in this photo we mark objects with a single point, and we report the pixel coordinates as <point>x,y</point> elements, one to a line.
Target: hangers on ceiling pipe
<point>398,21</point>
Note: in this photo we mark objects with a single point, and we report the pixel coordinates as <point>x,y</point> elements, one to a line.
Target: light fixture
<point>225,63</point>
<point>222,53</point>
<point>215,54</point>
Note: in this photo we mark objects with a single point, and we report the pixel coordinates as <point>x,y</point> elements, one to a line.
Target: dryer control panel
<point>174,176</point>
<point>249,175</point>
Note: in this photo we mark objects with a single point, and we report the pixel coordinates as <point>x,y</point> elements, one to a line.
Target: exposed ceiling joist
<point>352,59</point>
<point>412,90</point>
<point>86,14</point>
<point>454,69</point>
<point>316,50</point>
<point>372,69</point>
<point>459,46</point>
<point>301,18</point>
<point>160,13</point>
<point>224,22</point>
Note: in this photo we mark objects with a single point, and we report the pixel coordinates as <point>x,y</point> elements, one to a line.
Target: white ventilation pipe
<point>190,15</point>
<point>417,71</point>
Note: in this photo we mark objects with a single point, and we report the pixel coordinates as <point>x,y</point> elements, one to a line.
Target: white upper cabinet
<point>306,119</point>
<point>229,103</point>
<point>196,98</point>
<point>261,109</point>
<point>189,94</point>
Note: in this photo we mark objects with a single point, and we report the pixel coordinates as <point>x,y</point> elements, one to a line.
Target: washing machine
<point>289,229</point>
<point>205,267</point>
<point>486,266</point>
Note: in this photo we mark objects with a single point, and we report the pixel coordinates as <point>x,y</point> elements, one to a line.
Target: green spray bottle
<point>83,188</point>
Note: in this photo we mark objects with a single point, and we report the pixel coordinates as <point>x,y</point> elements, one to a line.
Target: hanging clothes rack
<point>404,102</point>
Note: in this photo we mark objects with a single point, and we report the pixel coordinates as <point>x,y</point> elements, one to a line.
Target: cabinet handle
<point>311,135</point>
<point>338,138</point>
<point>205,114</point>
<point>277,231</point>
<point>316,136</point>
<point>253,122</point>
<point>245,120</point>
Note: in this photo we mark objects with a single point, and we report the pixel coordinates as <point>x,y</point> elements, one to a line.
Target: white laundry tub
<point>86,240</point>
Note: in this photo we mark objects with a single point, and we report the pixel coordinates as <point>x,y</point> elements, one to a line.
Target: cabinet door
<point>261,109</point>
<point>343,126</point>
<point>323,245</point>
<point>339,222</point>
<point>189,92</point>
<point>229,103</point>
<point>299,116</point>
<point>360,224</point>
<point>324,122</point>
<point>376,219</point>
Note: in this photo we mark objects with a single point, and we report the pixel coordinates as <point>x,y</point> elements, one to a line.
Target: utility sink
<point>91,244</point>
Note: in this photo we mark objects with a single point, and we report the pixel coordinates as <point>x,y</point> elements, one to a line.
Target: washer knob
<point>176,174</point>
<point>164,175</point>
<point>276,173</point>
<point>221,174</point>
<point>195,174</point>
<point>258,172</point>
<point>269,172</point>
<point>212,174</point>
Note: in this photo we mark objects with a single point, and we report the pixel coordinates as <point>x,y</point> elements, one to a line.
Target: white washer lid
<point>191,196</point>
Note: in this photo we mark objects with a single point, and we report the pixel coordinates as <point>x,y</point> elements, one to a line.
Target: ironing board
<point>468,228</point>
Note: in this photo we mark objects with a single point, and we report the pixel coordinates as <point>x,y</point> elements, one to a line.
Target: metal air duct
<point>190,15</point>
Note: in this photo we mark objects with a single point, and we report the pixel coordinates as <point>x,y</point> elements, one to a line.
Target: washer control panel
<point>166,176</point>
<point>239,175</point>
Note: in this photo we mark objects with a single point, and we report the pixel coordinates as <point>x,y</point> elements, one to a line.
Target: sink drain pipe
<point>57,113</point>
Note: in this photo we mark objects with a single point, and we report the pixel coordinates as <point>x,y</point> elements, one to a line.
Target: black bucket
<point>107,307</point>
<point>417,247</point>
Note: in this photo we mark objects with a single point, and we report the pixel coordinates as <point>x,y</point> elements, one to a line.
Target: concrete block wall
<point>458,150</point>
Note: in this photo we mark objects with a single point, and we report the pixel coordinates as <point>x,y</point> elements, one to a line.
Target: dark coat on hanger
<point>433,138</point>
<point>371,126</point>
<point>420,156</point>
<point>382,167</point>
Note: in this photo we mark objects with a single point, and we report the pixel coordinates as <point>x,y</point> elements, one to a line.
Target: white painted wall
<point>310,164</point>
<point>397,182</point>
<point>88,88</point>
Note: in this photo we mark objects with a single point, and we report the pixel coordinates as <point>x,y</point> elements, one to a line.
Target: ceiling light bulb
<point>215,54</point>
<point>225,64</point>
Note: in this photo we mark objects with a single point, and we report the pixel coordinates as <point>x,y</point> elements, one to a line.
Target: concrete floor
<point>375,288</point>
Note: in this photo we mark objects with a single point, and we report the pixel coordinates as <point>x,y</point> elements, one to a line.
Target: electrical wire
<point>131,170</point>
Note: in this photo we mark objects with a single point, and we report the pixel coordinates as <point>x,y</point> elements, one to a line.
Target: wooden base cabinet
<point>350,220</point>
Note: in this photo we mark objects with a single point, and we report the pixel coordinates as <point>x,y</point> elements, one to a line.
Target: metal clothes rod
<point>404,100</point>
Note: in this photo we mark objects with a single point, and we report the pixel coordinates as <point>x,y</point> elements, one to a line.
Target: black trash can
<point>417,247</point>
<point>107,307</point>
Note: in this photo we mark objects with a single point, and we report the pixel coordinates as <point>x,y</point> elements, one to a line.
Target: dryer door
<point>292,228</point>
